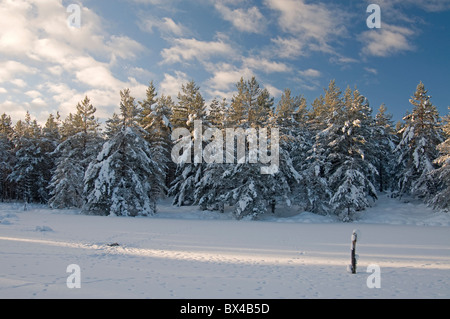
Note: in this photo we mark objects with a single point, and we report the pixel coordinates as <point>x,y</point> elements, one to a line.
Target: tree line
<point>335,155</point>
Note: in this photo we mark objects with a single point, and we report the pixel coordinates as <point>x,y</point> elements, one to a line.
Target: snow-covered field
<point>185,253</point>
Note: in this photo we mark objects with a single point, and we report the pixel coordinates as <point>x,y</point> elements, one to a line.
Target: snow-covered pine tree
<point>324,106</point>
<point>338,170</point>
<point>217,115</point>
<point>291,120</point>
<point>324,120</point>
<point>69,126</point>
<point>238,110</point>
<point>315,191</point>
<point>24,150</point>
<point>47,143</point>
<point>286,180</point>
<point>190,107</point>
<point>66,187</point>
<point>290,113</point>
<point>113,126</point>
<point>154,118</point>
<point>163,135</point>
<point>90,125</point>
<point>208,188</point>
<point>318,115</point>
<point>417,148</point>
<point>384,141</point>
<point>147,106</point>
<point>441,175</point>
<point>352,172</point>
<point>242,184</point>
<point>73,156</point>
<point>234,183</point>
<point>120,181</point>
<point>33,164</point>
<point>6,157</point>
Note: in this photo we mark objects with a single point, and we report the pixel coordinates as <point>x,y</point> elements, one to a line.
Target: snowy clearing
<point>186,253</point>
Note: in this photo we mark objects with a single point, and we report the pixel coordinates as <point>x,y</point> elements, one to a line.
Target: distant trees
<point>334,157</point>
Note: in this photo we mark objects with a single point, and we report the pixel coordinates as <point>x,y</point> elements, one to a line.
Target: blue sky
<point>47,66</point>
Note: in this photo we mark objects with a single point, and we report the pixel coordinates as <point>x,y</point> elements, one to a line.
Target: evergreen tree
<point>238,113</point>
<point>207,189</point>
<point>147,108</point>
<point>325,118</point>
<point>385,141</point>
<point>154,118</point>
<point>51,129</point>
<point>190,107</point>
<point>86,115</point>
<point>217,116</point>
<point>338,169</point>
<point>291,118</point>
<point>66,187</point>
<point>417,148</point>
<point>70,126</point>
<point>247,183</point>
<point>113,126</point>
<point>352,173</point>
<point>33,163</point>
<point>128,109</point>
<point>441,175</point>
<point>163,131</point>
<point>6,157</point>
<point>124,179</point>
<point>73,156</point>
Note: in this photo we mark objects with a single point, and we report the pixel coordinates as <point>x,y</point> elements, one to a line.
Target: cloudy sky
<point>47,65</point>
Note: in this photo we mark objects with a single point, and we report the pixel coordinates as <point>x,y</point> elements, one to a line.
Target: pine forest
<point>336,154</point>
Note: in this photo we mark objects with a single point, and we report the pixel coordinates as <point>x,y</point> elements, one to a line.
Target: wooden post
<point>354,239</point>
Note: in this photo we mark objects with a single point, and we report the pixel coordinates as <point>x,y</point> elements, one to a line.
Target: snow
<point>184,252</point>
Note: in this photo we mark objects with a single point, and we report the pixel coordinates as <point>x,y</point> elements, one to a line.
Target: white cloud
<point>98,77</point>
<point>308,79</point>
<point>168,25</point>
<point>15,110</point>
<point>310,73</point>
<point>371,70</point>
<point>158,3</point>
<point>10,69</point>
<point>15,36</point>
<point>290,47</point>
<point>226,75</point>
<point>391,7</point>
<point>190,49</point>
<point>56,70</point>
<point>275,92</point>
<point>314,25</point>
<point>386,41</point>
<point>342,59</point>
<point>247,20</point>
<point>265,65</point>
<point>79,61</point>
<point>3,90</point>
<point>39,102</point>
<point>165,26</point>
<point>19,83</point>
<point>33,94</point>
<point>171,85</point>
<point>123,47</point>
